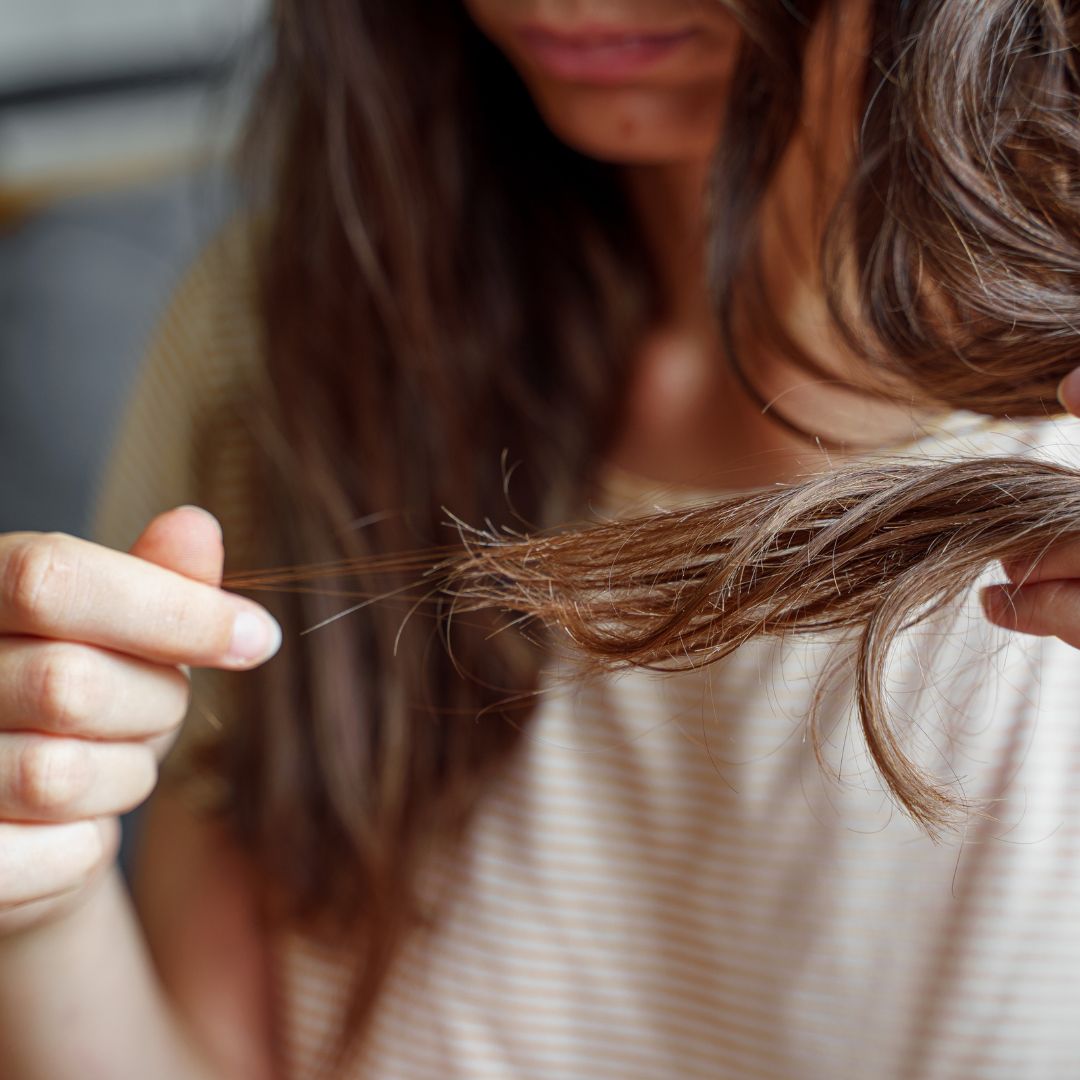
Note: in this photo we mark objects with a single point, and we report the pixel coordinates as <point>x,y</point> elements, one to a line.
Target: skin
<point>669,115</point>
<point>688,421</point>
<point>93,643</point>
<point>91,694</point>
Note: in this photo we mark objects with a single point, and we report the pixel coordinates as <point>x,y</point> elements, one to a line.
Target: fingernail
<point>256,636</point>
<point>1068,392</point>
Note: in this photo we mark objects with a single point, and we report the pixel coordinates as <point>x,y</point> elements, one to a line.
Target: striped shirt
<point>665,883</point>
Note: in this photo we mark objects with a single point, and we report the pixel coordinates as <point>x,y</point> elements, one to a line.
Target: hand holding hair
<point>91,691</point>
<point>861,553</point>
<point>867,551</point>
<point>1043,594</point>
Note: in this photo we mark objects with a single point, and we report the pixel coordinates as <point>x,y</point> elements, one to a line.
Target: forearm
<point>79,998</point>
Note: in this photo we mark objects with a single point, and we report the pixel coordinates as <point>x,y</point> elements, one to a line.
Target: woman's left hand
<point>1043,596</point>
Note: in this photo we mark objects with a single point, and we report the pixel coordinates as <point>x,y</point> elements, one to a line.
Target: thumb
<point>187,540</point>
<point>1069,392</point>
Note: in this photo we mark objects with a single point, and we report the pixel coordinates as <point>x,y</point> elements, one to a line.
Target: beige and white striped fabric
<point>666,885</point>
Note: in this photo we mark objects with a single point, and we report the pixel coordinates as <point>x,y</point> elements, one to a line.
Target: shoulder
<point>204,351</point>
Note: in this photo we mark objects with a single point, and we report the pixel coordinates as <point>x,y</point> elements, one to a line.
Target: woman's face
<point>628,81</point>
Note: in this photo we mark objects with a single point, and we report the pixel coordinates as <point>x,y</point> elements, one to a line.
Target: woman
<point>525,261</point>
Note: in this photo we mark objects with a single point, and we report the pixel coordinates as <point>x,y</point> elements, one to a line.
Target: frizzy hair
<point>862,553</point>
<point>436,297</point>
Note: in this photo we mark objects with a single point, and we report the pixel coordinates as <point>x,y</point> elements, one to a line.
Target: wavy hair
<point>444,288</point>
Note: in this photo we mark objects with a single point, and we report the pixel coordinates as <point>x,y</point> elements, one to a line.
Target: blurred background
<point>117,118</point>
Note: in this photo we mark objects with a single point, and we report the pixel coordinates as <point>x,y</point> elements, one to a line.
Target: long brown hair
<point>448,295</point>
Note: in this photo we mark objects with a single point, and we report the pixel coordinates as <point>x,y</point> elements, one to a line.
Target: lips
<point>601,55</point>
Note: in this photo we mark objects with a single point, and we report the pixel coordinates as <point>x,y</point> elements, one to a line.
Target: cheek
<point>634,125</point>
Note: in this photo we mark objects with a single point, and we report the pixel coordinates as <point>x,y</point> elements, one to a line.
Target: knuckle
<point>86,854</point>
<point>148,777</point>
<point>65,686</point>
<point>109,835</point>
<point>35,578</point>
<point>59,860</point>
<point>160,745</point>
<point>50,775</point>
<point>180,696</point>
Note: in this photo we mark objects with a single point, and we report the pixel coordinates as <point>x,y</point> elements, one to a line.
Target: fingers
<point>1044,598</point>
<point>1046,608</point>
<point>63,688</point>
<point>91,642</point>
<point>41,861</point>
<point>187,540</point>
<point>1069,392</point>
<point>43,778</point>
<point>58,587</point>
<point>45,867</point>
<point>1058,562</point>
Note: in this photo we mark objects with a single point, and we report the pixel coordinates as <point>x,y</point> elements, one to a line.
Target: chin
<point>627,127</point>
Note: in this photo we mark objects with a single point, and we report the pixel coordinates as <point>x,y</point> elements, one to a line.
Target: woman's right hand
<point>92,691</point>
